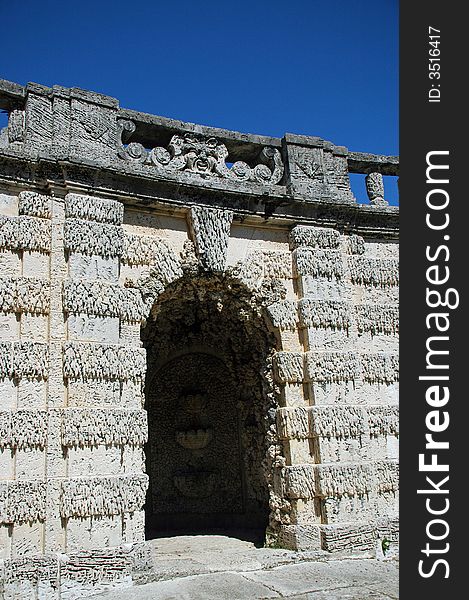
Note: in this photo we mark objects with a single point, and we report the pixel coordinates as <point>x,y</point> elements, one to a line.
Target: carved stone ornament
<point>375,189</point>
<point>201,155</point>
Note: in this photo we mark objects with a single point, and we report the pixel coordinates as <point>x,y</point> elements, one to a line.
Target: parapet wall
<point>101,209</point>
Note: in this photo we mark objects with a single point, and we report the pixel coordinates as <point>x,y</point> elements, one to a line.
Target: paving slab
<point>222,568</point>
<point>213,586</point>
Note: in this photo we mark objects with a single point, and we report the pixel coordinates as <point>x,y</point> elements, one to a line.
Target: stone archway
<point>211,404</point>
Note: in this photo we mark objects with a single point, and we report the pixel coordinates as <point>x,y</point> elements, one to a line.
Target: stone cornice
<point>61,140</point>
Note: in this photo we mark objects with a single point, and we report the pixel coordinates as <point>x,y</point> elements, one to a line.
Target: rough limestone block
<point>88,496</point>
<point>353,449</point>
<point>82,362</point>
<point>315,237</point>
<point>382,249</point>
<point>356,479</point>
<point>348,536</point>
<point>383,420</point>
<point>92,208</point>
<point>26,539</point>
<point>288,367</point>
<point>338,421</point>
<point>24,295</point>
<point>130,334</point>
<point>210,230</point>
<point>22,501</point>
<point>276,264</point>
<point>373,271</point>
<point>100,298</point>
<point>294,423</point>
<point>25,233</point>
<point>93,329</point>
<point>284,314</point>
<point>30,360</point>
<point>332,366</point>
<point>85,573</point>
<point>354,244</point>
<point>90,238</point>
<point>359,508</point>
<point>357,392</point>
<point>377,318</point>
<point>35,205</point>
<point>298,481</point>
<point>28,575</point>
<point>83,267</point>
<point>22,429</point>
<point>333,314</point>
<point>318,262</point>
<point>300,537</point>
<point>109,427</point>
<point>382,367</point>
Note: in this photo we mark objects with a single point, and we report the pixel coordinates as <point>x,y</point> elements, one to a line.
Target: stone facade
<point>197,327</point>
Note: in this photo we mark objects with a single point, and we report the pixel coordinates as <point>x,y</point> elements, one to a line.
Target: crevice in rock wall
<point>211,399</point>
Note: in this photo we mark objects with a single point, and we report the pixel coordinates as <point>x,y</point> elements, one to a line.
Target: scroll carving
<point>201,155</point>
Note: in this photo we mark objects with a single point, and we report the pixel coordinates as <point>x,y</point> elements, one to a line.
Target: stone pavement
<point>222,568</point>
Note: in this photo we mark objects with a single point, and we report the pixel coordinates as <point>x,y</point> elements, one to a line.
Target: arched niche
<point>211,401</point>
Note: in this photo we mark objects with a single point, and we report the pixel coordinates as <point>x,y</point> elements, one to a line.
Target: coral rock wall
<point>79,278</point>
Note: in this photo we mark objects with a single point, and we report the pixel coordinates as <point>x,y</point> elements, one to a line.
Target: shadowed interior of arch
<point>211,405</point>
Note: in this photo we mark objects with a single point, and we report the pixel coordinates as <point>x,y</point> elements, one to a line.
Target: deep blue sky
<point>327,68</point>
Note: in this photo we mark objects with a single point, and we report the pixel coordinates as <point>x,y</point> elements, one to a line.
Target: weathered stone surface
<point>334,314</point>
<point>382,367</point>
<point>82,362</point>
<point>373,271</point>
<point>378,318</point>
<point>35,205</point>
<point>110,427</point>
<point>29,360</point>
<point>318,262</point>
<point>23,429</point>
<point>22,501</point>
<point>86,496</point>
<point>24,295</point>
<point>93,209</point>
<point>332,366</point>
<point>103,299</point>
<point>25,233</point>
<point>302,235</point>
<point>88,237</point>
<point>289,367</point>
<point>210,231</point>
